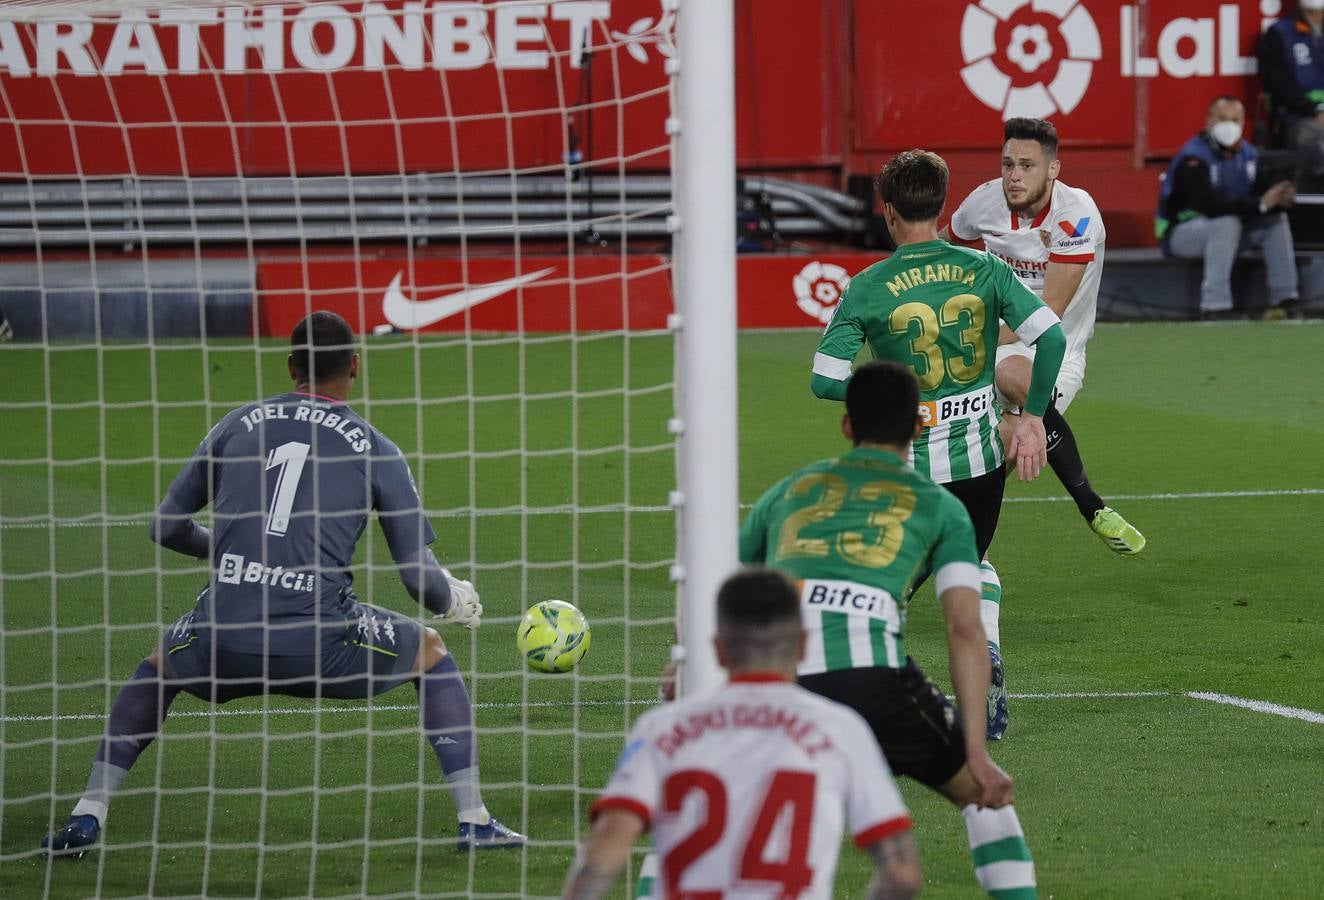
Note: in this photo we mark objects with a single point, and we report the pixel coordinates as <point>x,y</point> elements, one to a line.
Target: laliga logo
<point>818,289</point>
<point>1029,48</point>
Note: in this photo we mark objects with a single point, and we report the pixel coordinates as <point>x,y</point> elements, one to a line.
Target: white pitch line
<point>326,710</point>
<point>141,522</point>
<point>1191,495</point>
<point>1261,706</point>
<point>1089,695</point>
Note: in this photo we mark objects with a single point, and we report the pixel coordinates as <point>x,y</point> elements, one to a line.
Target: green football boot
<point>1116,532</point>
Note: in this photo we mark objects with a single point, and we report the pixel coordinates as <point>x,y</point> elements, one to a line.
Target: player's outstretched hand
<point>1028,446</point>
<point>994,784</point>
<point>465,609</point>
<point>666,685</point>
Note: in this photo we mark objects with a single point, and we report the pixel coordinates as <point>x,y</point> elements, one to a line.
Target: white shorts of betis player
<point>1069,378</point>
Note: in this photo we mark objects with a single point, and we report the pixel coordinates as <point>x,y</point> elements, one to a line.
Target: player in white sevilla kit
<point>747,789</point>
<point>1053,237</point>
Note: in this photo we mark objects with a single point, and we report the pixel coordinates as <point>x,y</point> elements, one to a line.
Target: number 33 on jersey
<point>937,308</point>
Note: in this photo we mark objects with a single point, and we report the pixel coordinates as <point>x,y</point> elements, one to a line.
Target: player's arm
<point>836,353</point>
<point>957,582</point>
<point>409,535</point>
<point>604,854</point>
<point>1050,347</point>
<point>619,816</point>
<point>879,821</point>
<point>1061,281</point>
<point>426,581</point>
<point>897,874</point>
<point>173,526</point>
<point>960,225</point>
<point>754,530</point>
<point>967,651</point>
<point>1036,325</point>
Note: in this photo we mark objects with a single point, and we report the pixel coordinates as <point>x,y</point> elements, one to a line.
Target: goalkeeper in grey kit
<point>291,482</point>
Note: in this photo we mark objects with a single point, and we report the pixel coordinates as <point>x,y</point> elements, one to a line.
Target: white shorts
<point>1069,378</point>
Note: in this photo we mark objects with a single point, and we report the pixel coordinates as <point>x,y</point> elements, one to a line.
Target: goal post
<point>705,247</point>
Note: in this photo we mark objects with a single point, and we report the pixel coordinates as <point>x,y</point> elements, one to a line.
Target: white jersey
<point>746,790</point>
<point>1068,230</point>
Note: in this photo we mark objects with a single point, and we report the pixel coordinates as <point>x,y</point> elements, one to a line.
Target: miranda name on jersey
<point>911,278</point>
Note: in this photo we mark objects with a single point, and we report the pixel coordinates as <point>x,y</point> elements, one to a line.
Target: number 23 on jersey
<point>874,549</point>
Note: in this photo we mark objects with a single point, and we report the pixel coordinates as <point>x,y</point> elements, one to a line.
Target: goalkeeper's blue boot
<point>74,838</point>
<point>492,836</point>
<point>997,697</point>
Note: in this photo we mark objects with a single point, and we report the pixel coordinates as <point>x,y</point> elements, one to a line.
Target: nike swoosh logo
<point>408,314</point>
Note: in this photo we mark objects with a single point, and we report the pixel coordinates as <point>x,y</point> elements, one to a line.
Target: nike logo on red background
<point>407,314</point>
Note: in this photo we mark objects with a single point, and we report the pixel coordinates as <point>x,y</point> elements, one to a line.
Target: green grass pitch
<point>1129,797</point>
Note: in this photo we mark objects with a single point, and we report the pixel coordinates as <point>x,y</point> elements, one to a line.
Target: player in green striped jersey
<point>937,309</point>
<point>856,531</point>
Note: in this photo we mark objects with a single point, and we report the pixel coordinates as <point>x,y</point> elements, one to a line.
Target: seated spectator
<point>1292,69</point>
<point>1212,205</point>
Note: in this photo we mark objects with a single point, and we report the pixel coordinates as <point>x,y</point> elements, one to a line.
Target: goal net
<point>483,190</point>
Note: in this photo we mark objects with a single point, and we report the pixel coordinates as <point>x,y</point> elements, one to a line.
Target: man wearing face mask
<point>1292,70</point>
<point>1211,206</point>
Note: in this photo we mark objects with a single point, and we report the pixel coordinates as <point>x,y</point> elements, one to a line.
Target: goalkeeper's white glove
<point>465,609</point>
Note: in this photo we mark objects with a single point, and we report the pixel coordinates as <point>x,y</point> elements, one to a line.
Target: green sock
<point>1003,865</point>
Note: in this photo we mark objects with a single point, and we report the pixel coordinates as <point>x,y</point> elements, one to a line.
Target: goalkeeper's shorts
<point>375,654</point>
<point>914,722</point>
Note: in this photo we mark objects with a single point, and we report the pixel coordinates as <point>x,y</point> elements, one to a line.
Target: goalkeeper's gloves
<point>465,608</point>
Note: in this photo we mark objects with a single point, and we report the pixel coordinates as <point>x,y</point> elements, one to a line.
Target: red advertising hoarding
<point>538,293</point>
<point>1108,73</point>
<point>335,87</point>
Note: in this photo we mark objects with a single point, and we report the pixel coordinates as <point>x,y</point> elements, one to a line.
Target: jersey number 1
<point>289,458</point>
<point>786,789</point>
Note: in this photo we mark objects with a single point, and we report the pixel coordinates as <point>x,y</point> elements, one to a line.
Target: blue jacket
<point>1292,68</point>
<point>1231,176</point>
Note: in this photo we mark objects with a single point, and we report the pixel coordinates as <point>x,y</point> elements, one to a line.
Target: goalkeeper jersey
<point>291,482</point>
<point>855,531</point>
<point>936,308</point>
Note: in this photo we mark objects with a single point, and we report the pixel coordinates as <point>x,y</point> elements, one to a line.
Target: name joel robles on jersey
<point>302,412</point>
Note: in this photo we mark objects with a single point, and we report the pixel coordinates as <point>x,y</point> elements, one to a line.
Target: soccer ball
<point>553,636</point>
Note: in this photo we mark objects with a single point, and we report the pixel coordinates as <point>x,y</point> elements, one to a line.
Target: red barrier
<point>541,293</point>
<point>414,86</point>
<point>423,85</point>
<point>1108,73</point>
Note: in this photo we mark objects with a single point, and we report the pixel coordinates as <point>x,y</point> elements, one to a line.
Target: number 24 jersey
<point>747,790</point>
